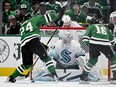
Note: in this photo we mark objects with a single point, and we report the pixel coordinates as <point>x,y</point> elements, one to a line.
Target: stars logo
<point>4,51</point>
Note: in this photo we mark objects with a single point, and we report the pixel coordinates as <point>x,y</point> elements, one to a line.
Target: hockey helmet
<point>66,36</point>
<point>66,20</point>
<point>112,16</point>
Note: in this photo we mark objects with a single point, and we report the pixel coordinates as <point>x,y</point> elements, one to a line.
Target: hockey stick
<point>61,78</point>
<point>31,68</point>
<point>74,77</point>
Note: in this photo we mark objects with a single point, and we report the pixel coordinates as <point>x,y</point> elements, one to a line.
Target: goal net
<point>101,67</point>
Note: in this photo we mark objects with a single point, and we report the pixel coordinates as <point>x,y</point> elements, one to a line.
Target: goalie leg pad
<point>42,75</point>
<point>81,61</point>
<point>49,65</point>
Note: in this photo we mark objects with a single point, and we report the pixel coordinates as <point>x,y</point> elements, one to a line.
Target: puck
<point>32,81</point>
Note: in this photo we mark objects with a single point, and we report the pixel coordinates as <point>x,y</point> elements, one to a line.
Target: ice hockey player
<point>30,43</point>
<point>67,51</point>
<point>112,17</point>
<point>99,39</point>
<point>113,21</point>
<point>67,22</point>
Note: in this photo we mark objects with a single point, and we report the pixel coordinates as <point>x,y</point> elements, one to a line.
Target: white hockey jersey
<point>66,54</point>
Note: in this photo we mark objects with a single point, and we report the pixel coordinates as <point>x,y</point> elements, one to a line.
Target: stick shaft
<point>74,77</point>
<point>52,36</point>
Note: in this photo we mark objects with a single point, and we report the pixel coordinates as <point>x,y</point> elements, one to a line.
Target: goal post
<point>109,71</point>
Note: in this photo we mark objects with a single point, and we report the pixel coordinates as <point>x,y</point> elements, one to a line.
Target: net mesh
<point>77,33</point>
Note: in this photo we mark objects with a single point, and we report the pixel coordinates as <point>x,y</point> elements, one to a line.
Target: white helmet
<point>112,15</point>
<point>66,20</point>
<point>66,36</point>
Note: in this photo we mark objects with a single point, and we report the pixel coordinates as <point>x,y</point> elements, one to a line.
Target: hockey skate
<point>11,79</point>
<point>84,78</point>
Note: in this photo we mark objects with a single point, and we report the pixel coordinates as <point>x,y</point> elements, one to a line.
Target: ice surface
<point>59,84</point>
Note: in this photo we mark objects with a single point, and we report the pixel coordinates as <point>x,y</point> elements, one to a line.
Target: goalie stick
<point>74,77</point>
<point>31,68</point>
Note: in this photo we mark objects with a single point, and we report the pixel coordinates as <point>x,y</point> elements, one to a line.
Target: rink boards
<point>10,56</point>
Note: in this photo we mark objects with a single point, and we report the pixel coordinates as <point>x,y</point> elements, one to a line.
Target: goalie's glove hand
<point>46,47</point>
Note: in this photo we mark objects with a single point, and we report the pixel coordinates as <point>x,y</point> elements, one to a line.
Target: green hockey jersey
<point>98,34</point>
<point>31,28</point>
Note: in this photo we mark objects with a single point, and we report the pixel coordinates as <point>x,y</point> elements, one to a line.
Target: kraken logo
<point>4,51</point>
<point>65,56</point>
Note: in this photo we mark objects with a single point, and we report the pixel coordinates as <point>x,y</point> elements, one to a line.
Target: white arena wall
<point>10,58</point>
<point>10,55</point>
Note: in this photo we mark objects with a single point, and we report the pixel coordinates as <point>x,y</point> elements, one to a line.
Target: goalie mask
<point>65,36</point>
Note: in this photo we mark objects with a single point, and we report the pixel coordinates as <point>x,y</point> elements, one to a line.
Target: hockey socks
<point>90,64</point>
<point>49,65</point>
<point>20,69</point>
